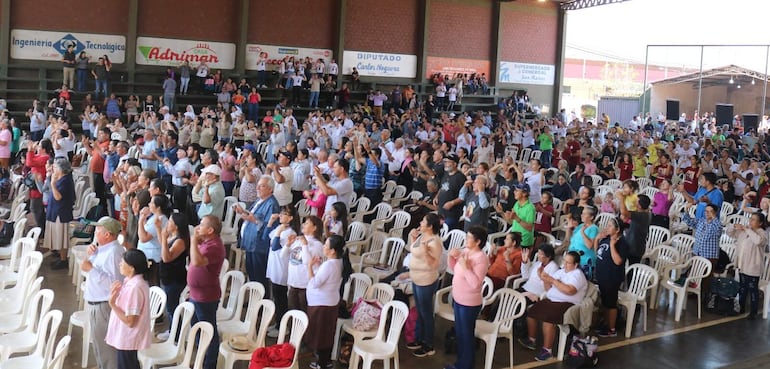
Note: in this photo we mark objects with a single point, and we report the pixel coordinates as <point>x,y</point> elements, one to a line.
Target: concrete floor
<point>711,342</point>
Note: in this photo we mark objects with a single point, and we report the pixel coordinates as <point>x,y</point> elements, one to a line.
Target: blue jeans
<point>545,159</point>
<point>465,327</point>
<point>313,103</point>
<point>173,291</point>
<point>253,113</point>
<point>423,300</point>
<point>256,266</point>
<point>207,312</point>
<point>261,78</point>
<point>749,288</point>
<point>184,84</point>
<point>101,85</point>
<point>82,75</point>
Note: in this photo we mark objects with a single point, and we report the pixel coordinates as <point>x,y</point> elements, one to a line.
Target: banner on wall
<point>45,45</point>
<point>529,74</point>
<point>452,66</point>
<point>276,53</point>
<point>379,64</point>
<point>173,52</point>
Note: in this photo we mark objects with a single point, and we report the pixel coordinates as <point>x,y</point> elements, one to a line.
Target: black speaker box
<point>672,109</point>
<point>724,113</point>
<point>750,122</point>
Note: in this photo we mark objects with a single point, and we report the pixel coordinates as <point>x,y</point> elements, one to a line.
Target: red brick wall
<point>391,26</point>
<point>314,24</point>
<point>87,16</point>
<point>189,19</point>
<point>529,33</point>
<point>461,30</point>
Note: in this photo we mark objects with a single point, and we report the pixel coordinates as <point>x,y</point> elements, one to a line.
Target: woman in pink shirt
<point>470,267</point>
<point>129,327</point>
<point>227,163</point>
<point>5,144</point>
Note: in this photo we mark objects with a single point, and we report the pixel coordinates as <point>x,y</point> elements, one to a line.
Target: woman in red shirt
<point>38,155</point>
<point>625,167</point>
<point>664,170</point>
<point>691,174</point>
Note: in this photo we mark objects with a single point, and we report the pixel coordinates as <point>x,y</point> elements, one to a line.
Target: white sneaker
<point>163,335</point>
<point>272,332</point>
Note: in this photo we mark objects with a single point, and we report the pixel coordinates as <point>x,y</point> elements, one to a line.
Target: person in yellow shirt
<point>640,163</point>
<point>652,150</point>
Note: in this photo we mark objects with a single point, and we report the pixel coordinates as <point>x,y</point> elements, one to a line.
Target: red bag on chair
<point>279,356</point>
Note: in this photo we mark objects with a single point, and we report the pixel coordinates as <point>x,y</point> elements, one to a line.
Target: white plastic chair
<point>255,337</point>
<point>250,295</point>
<point>643,278</point>
<point>603,219</point>
<point>381,211</point>
<point>23,339</point>
<point>665,260</point>
<point>10,297</point>
<point>157,304</point>
<point>399,196</point>
<point>361,206</point>
<point>372,253</point>
<point>356,237</point>
<point>388,189</point>
<point>382,346</point>
<point>62,348</point>
<point>615,184</point>
<point>303,209</point>
<point>8,276</point>
<point>231,284</point>
<point>655,237</point>
<point>16,252</point>
<point>298,321</point>
<point>170,352</point>
<point>205,332</point>
<point>511,306</point>
<point>444,308</point>
<point>40,357</point>
<point>401,220</point>
<point>683,244</point>
<point>390,255</point>
<point>356,287</point>
<point>381,292</point>
<point>18,232</point>
<point>699,268</point>
<point>81,319</point>
<point>764,285</point>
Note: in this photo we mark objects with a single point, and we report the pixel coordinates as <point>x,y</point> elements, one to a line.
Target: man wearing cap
<point>448,200</point>
<point>523,215</point>
<point>103,267</point>
<point>283,175</point>
<point>211,192</point>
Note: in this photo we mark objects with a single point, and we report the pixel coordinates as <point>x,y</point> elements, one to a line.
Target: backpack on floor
<point>583,352</point>
<point>723,297</point>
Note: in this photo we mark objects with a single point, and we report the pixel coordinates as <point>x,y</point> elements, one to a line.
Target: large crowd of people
<point>156,172</point>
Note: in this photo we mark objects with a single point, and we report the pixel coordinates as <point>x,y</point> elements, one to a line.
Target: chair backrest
<point>487,290</point>
<point>157,303</point>
<point>535,154</point>
<point>21,248</point>
<point>726,210</point>
<point>444,232</point>
<point>382,292</point>
<point>396,313</point>
<point>525,154</point>
<point>597,180</point>
<point>603,219</point>
<point>395,249</point>
<point>398,194</point>
<point>34,233</point>
<point>303,209</point>
<point>377,242</point>
<point>656,236</point>
<point>649,192</point>
<point>700,268</point>
<point>185,294</point>
<point>18,230</point>
<point>683,243</point>
<point>401,220</point>
<point>382,211</point>
<point>258,331</point>
<point>502,225</point>
<point>362,206</point>
<point>666,257</point>
<point>643,278</point>
<point>602,191</point>
<point>204,331</point>
<point>35,309</point>
<point>251,293</point>
<point>644,183</point>
<point>356,231</point>
<point>46,336</point>
<point>180,323</point>
<point>224,270</point>
<point>615,184</point>
<point>511,306</point>
<point>57,361</point>
<point>298,321</point>
<point>737,219</point>
<point>765,269</point>
<point>357,284</point>
<point>456,239</point>
<point>231,284</point>
<point>17,212</point>
<point>89,201</point>
<point>390,187</point>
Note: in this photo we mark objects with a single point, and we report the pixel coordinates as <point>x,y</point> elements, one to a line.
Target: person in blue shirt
<point>707,193</point>
<point>580,238</point>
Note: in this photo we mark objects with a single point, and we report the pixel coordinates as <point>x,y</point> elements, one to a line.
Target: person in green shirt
<point>16,139</point>
<point>545,143</point>
<point>523,215</point>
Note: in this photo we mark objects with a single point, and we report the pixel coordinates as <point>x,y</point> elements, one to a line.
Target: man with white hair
<point>211,192</point>
<point>148,158</point>
<point>258,222</point>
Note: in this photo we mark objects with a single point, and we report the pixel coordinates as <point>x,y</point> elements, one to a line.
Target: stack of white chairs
<point>249,296</point>
<point>230,286</point>
<point>511,306</point>
<point>255,337</point>
<point>204,332</point>
<point>381,292</point>
<point>356,287</point>
<point>383,345</point>
<point>23,254</point>
<point>170,351</point>
<point>44,348</point>
<point>21,338</point>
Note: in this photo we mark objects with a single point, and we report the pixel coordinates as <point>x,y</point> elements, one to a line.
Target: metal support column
<point>133,18</point>
<point>5,39</point>
<point>497,23</point>
<point>339,48</point>
<point>700,81</point>
<point>561,47</point>
<point>644,84</point>
<point>243,34</point>
<point>423,65</point>
<point>764,89</point>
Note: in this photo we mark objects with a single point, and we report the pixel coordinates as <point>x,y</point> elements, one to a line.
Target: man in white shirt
<point>283,175</point>
<point>684,153</point>
<point>334,69</point>
<point>339,189</point>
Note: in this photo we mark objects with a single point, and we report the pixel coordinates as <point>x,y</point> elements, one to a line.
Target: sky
<point>624,30</point>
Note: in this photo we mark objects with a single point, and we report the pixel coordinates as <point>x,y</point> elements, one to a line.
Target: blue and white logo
<point>69,39</point>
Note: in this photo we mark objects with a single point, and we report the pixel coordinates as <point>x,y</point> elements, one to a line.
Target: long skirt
<point>56,235</point>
